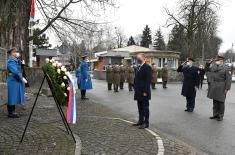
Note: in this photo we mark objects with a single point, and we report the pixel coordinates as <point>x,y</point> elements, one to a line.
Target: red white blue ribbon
<point>71,111</point>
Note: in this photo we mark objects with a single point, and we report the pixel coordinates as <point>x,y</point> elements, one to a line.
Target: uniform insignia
<point>230,72</point>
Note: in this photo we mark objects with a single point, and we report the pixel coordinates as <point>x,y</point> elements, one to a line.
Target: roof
<point>133,49</point>
<point>116,54</point>
<point>46,52</point>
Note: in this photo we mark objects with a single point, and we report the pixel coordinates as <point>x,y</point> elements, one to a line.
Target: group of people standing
<point>219,77</point>
<point>117,75</point>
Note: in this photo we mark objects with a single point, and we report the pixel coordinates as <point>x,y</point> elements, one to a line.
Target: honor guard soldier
<point>164,75</point>
<point>116,77</point>
<point>154,76</point>
<point>130,77</point>
<point>15,83</point>
<point>220,84</point>
<point>190,83</point>
<point>109,76</point>
<point>122,76</point>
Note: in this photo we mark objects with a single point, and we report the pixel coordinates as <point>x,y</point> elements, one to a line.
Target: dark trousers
<point>10,109</point>
<point>218,108</point>
<point>115,87</point>
<point>83,94</point>
<point>121,85</point>
<point>109,86</point>
<point>143,109</point>
<point>164,83</point>
<point>190,103</point>
<point>130,86</point>
<point>153,85</point>
<point>201,83</point>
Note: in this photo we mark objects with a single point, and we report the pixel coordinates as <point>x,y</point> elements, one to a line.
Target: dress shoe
<point>219,119</point>
<point>13,115</point>
<point>213,117</point>
<point>137,124</point>
<point>85,98</point>
<point>143,126</point>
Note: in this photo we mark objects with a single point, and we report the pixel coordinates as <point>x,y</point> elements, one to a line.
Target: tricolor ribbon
<point>71,111</point>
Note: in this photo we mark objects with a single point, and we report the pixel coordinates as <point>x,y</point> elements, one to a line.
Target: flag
<point>71,111</point>
<point>32,11</point>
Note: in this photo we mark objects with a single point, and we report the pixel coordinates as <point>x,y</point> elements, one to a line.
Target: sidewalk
<point>100,129</point>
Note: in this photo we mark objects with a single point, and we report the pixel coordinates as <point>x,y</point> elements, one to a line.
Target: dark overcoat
<point>142,83</point>
<point>191,80</point>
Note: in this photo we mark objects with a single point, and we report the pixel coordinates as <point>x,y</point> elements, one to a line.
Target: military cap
<point>191,59</point>
<point>11,49</point>
<point>219,57</point>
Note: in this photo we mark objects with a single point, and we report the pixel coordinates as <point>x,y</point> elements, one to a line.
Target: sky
<point>133,15</point>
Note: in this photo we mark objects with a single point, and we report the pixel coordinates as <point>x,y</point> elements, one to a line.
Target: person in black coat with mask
<point>190,83</point>
<point>142,91</point>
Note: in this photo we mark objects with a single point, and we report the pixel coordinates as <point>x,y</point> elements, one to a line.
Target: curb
<point>78,146</point>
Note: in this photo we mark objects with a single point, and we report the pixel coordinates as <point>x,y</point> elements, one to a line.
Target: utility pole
<point>31,44</point>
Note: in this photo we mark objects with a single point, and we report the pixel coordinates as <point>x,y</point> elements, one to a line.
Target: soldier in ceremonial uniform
<point>164,76</point>
<point>154,76</point>
<point>122,76</point>
<point>130,77</point>
<point>220,84</point>
<point>116,77</point>
<point>109,76</point>
<point>190,83</point>
<point>15,83</point>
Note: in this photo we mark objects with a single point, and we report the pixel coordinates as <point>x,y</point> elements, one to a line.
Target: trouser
<point>115,87</point>
<point>201,82</point>
<point>164,83</point>
<point>83,94</point>
<point>190,103</point>
<point>153,85</point>
<point>109,86</point>
<point>10,109</point>
<point>143,109</point>
<point>121,85</point>
<point>218,108</point>
<point>130,86</point>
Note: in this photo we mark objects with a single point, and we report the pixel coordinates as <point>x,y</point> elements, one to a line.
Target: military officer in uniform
<point>109,76</point>
<point>130,77</point>
<point>220,84</point>
<point>122,76</point>
<point>190,83</point>
<point>164,76</point>
<point>154,76</point>
<point>116,77</point>
<point>15,83</point>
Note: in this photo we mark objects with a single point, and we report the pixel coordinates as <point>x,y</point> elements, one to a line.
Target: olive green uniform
<point>116,77</point>
<point>109,76</point>
<point>164,77</point>
<point>154,76</point>
<point>130,77</point>
<point>122,76</point>
<point>220,81</point>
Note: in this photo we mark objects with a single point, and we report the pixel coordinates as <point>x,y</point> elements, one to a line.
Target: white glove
<point>24,80</point>
<point>86,80</point>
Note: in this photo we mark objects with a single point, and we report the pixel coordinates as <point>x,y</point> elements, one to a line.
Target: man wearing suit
<point>190,83</point>
<point>142,91</point>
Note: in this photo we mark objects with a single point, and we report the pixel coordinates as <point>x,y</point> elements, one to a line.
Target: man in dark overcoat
<point>142,91</point>
<point>190,83</point>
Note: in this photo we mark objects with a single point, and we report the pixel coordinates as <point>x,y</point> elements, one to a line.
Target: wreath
<point>59,80</point>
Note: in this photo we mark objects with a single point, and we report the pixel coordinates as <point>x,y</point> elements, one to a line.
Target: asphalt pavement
<point>167,115</point>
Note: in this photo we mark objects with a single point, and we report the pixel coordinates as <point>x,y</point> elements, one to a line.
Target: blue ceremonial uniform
<point>85,82</point>
<point>78,75</point>
<point>15,82</point>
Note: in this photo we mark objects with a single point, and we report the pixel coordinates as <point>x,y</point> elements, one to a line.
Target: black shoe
<point>13,116</point>
<point>186,110</point>
<point>137,124</point>
<point>143,126</point>
<point>219,119</point>
<point>213,117</point>
<point>85,98</point>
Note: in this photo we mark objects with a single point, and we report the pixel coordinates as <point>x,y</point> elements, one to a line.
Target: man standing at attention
<point>190,83</point>
<point>142,91</point>
<point>164,76</point>
<point>109,76</point>
<point>154,76</point>
<point>221,78</point>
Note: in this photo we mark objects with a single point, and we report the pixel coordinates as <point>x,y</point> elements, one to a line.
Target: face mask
<point>17,55</point>
<point>217,62</point>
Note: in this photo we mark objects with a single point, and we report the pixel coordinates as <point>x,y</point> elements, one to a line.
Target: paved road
<point>167,115</point>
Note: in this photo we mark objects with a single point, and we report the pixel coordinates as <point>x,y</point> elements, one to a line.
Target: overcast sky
<point>133,15</point>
